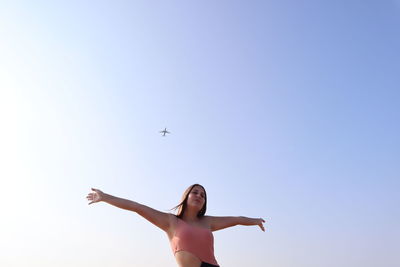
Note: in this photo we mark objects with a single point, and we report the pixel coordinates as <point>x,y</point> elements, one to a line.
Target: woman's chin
<point>195,206</point>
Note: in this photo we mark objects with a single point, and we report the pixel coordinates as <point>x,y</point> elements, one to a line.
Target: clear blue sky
<point>286,110</point>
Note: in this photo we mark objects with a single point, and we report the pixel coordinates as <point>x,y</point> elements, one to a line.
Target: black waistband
<point>205,264</point>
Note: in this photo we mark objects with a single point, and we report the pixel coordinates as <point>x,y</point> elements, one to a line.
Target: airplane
<point>164,132</point>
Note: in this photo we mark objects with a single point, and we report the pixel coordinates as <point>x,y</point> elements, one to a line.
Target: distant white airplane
<point>164,132</point>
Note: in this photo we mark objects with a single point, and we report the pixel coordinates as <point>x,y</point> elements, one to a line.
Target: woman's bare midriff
<point>187,259</point>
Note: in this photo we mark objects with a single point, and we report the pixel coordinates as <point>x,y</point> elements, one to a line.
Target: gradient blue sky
<point>286,110</point>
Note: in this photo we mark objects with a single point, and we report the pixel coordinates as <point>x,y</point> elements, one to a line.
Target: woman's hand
<point>96,196</point>
<point>260,222</point>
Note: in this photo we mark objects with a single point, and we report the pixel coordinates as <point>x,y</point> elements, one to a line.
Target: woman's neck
<point>190,215</point>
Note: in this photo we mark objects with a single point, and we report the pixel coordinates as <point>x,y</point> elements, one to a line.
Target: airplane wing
<point>164,132</point>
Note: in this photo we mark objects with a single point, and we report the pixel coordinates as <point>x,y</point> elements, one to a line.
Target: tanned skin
<point>168,222</point>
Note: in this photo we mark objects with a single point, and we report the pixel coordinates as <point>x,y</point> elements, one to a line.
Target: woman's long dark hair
<point>182,206</point>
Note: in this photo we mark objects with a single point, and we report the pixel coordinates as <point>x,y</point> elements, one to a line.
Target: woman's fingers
<point>261,224</point>
<point>90,196</point>
<point>94,197</point>
<point>97,190</point>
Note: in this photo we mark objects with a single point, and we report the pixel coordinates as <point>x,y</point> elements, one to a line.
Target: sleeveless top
<point>194,239</point>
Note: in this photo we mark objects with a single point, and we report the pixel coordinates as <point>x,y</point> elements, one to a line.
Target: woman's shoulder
<point>173,218</point>
<point>206,221</point>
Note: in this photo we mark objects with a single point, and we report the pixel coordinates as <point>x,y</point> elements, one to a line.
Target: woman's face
<point>196,198</point>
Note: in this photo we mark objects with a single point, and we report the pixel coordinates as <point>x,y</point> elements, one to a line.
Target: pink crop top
<point>194,239</point>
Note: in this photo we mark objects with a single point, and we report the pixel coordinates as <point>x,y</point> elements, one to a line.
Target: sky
<point>285,110</point>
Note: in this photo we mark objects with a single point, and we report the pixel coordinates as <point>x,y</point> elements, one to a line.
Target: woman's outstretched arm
<point>218,223</point>
<point>158,218</point>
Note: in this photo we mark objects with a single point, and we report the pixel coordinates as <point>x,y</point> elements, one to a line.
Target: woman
<point>190,231</point>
